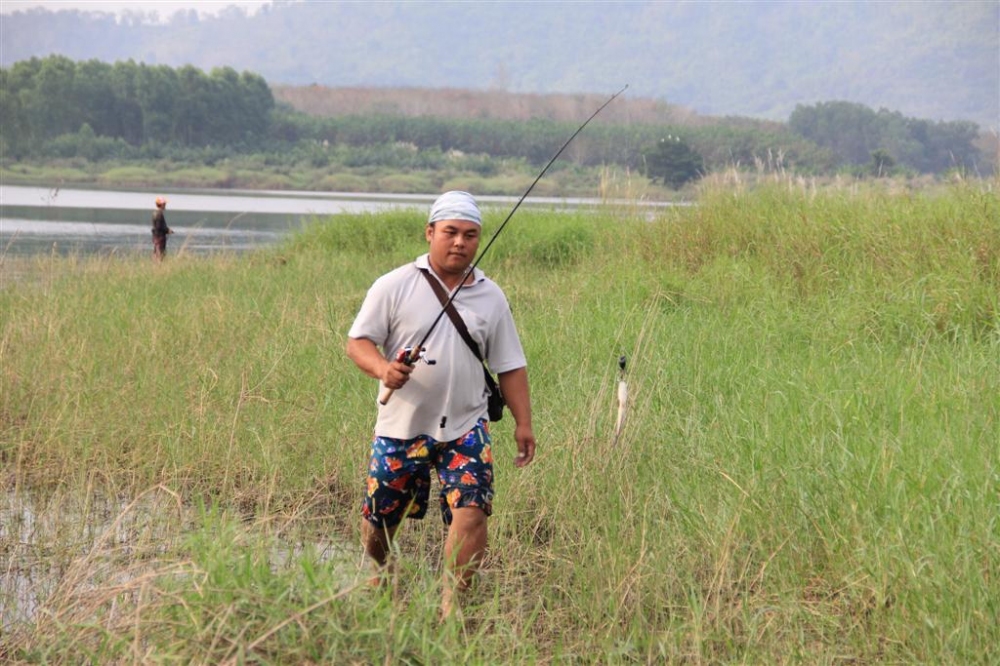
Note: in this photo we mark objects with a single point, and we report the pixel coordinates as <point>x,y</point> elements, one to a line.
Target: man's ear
<point>428,232</point>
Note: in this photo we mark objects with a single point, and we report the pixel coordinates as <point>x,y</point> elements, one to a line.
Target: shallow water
<point>36,220</point>
<point>210,201</point>
<point>61,555</point>
<point>22,236</point>
<point>44,543</point>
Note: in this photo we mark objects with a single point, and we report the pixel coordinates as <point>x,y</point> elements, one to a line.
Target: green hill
<point>759,59</point>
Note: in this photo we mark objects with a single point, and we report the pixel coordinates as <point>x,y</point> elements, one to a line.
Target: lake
<point>37,220</point>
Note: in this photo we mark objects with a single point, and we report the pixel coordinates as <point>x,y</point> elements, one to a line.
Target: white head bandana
<point>455,205</point>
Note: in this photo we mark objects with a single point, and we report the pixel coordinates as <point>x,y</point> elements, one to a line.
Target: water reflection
<point>210,201</point>
<point>265,201</point>
<point>20,236</point>
<point>69,557</point>
<point>59,547</point>
<point>40,220</point>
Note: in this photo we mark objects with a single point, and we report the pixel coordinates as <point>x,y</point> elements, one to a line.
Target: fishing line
<point>514,210</point>
<point>415,352</point>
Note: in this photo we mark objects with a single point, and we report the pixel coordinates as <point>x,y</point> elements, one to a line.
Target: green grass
<point>809,472</point>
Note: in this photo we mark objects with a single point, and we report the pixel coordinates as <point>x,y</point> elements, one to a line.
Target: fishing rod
<point>410,355</point>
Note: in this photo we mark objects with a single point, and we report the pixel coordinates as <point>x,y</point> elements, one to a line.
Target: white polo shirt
<point>443,400</point>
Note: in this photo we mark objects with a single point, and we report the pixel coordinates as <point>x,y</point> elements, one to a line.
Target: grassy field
<point>809,471</point>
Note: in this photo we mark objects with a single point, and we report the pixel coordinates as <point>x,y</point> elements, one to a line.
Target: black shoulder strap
<point>456,319</point>
<point>452,313</point>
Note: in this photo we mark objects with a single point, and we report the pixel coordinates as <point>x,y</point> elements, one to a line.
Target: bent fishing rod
<point>410,355</point>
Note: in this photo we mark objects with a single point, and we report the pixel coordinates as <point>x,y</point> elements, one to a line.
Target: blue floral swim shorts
<point>399,476</point>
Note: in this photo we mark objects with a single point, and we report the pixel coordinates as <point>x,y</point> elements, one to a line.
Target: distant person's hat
<point>160,201</point>
<point>455,205</point>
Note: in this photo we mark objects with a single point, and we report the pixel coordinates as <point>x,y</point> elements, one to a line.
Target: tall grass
<point>808,473</point>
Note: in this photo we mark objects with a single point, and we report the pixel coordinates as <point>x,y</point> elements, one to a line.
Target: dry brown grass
<point>485,104</point>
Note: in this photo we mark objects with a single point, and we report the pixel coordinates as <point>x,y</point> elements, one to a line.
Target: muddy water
<point>46,542</point>
<point>63,556</point>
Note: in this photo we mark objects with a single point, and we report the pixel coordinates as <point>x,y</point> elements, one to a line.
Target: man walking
<point>437,415</point>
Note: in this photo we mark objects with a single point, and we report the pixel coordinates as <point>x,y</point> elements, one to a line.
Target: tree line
<point>136,104</point>
<point>857,135</point>
<point>55,107</point>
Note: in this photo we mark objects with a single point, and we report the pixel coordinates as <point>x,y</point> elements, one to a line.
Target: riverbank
<point>813,373</point>
<point>510,178</point>
<point>66,220</point>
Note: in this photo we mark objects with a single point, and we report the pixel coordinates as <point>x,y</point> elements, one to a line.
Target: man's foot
<point>450,609</point>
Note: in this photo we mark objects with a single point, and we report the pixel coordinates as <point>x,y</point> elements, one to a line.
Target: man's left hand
<point>525,438</point>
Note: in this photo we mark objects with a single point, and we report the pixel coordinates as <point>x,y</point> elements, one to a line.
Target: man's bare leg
<point>377,542</point>
<point>463,551</point>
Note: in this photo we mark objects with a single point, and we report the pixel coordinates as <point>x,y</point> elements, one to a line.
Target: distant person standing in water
<point>160,230</point>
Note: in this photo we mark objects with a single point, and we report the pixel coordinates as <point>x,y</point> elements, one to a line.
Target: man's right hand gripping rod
<point>409,356</point>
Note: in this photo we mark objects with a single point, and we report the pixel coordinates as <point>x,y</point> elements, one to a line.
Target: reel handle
<point>406,355</point>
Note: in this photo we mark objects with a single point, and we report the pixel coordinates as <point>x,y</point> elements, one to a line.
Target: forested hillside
<point>57,108</point>
<point>54,108</point>
<point>931,60</point>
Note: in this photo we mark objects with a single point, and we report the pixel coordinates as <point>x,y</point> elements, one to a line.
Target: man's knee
<point>468,520</point>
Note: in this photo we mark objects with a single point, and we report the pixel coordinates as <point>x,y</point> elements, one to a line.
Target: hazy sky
<point>165,8</point>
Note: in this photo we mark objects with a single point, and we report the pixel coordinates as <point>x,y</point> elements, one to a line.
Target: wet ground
<point>61,554</point>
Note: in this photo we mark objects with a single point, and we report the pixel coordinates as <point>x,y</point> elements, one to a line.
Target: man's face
<point>453,245</point>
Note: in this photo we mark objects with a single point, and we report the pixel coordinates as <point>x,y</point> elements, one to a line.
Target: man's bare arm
<point>369,359</point>
<point>514,386</point>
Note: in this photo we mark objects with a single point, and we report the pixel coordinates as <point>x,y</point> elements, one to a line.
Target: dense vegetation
<point>807,474</point>
<point>856,134</point>
<point>127,105</point>
<point>127,113</point>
